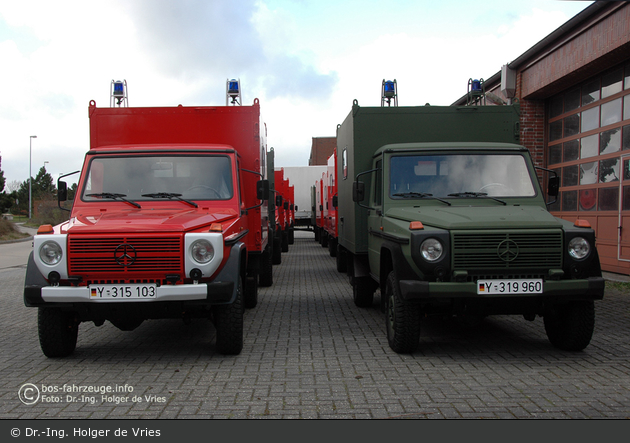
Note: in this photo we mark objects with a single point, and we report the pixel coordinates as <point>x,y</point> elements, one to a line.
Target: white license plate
<point>123,291</point>
<point>510,286</point>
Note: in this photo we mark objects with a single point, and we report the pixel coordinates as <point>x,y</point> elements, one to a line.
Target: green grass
<point>8,231</point>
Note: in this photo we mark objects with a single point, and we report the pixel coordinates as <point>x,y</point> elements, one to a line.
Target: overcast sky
<point>306,60</point>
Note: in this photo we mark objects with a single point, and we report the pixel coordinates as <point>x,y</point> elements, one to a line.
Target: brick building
<point>574,93</point>
<point>321,149</point>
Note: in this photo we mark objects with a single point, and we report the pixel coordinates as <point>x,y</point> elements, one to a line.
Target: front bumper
<point>212,293</point>
<point>591,288</point>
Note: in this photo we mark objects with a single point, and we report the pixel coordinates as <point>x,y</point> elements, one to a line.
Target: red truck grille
<point>125,258</point>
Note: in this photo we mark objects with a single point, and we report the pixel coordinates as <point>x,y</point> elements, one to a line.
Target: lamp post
<point>30,156</point>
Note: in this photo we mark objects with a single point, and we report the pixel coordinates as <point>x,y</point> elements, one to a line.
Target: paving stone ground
<point>310,353</point>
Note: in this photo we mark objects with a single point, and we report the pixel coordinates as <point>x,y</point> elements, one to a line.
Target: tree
<point>2,181</point>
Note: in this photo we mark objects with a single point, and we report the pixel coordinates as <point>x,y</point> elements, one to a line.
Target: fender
<point>398,263</point>
<point>224,282</point>
<point>33,284</point>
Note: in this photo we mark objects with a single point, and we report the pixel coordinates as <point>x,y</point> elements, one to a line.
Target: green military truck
<point>442,209</point>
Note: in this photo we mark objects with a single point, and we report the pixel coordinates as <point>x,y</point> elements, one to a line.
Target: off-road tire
<point>402,319</point>
<point>570,326</point>
<point>285,241</point>
<point>362,291</point>
<point>340,259</point>
<point>266,275</point>
<point>228,321</point>
<point>332,247</point>
<point>277,251</point>
<point>58,331</point>
<point>250,296</point>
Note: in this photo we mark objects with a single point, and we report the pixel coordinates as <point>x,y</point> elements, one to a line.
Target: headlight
<point>50,253</point>
<point>579,248</point>
<point>202,251</point>
<point>431,249</point>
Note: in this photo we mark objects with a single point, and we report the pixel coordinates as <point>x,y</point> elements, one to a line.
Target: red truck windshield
<point>137,178</point>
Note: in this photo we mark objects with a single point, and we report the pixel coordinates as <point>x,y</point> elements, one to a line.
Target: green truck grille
<point>510,252</point>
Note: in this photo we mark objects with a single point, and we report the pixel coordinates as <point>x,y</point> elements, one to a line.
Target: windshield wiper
<point>421,195</point>
<point>476,194</point>
<point>114,197</point>
<point>171,196</point>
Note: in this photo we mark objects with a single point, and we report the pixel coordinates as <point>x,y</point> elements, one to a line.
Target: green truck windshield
<point>138,178</point>
<point>460,175</point>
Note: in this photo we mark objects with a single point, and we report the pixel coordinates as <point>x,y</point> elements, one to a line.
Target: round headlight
<point>579,248</point>
<point>431,249</point>
<point>202,251</point>
<point>50,253</point>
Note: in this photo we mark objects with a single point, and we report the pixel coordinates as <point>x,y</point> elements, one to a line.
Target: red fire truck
<point>169,220</point>
<point>330,205</point>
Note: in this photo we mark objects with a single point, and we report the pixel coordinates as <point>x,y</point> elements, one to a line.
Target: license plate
<point>510,286</point>
<point>123,291</point>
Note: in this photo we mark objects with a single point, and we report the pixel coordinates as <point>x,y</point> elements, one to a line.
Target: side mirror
<point>262,190</point>
<point>296,207</point>
<point>62,191</point>
<point>286,206</point>
<point>553,186</point>
<point>358,191</point>
<point>335,201</point>
<point>278,200</point>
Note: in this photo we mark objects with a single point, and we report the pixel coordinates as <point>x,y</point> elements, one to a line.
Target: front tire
<point>58,332</point>
<point>266,275</point>
<point>250,297</point>
<point>362,291</point>
<point>402,319</point>
<point>228,320</point>
<point>570,326</point>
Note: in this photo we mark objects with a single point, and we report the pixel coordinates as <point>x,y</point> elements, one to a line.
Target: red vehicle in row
<point>326,207</point>
<point>169,221</point>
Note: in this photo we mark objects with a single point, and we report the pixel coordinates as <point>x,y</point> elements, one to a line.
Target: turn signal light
<point>415,226</point>
<point>582,224</point>
<point>216,227</point>
<point>45,229</point>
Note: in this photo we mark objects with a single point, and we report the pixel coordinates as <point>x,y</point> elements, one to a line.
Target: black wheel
<point>228,320</point>
<point>570,326</point>
<point>58,331</point>
<point>362,291</point>
<point>316,234</point>
<point>250,296</point>
<point>341,259</point>
<point>402,319</point>
<point>332,246</point>
<point>277,251</point>
<point>266,274</point>
<point>291,235</point>
<point>285,241</point>
<point>324,239</point>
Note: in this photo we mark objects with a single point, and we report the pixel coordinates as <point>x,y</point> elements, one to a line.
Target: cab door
<point>375,219</point>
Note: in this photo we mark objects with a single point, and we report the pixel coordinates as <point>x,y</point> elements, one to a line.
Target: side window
<point>344,163</point>
<point>378,184</point>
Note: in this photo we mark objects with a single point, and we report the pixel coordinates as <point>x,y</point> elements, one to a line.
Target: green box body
<point>366,129</point>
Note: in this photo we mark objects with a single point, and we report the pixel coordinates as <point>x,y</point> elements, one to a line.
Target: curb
<point>16,241</point>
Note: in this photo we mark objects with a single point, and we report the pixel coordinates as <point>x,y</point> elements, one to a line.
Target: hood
<point>147,220</point>
<point>478,217</point>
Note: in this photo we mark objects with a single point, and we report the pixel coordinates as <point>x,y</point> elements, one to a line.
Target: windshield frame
<point>429,194</point>
<point>225,194</point>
